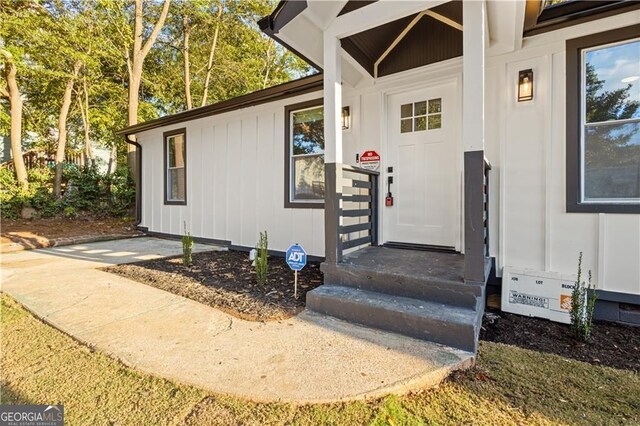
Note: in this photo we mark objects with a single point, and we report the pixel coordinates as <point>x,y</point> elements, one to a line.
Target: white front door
<point>422,141</point>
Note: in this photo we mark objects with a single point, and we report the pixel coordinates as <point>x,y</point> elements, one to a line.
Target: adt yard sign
<point>296,257</point>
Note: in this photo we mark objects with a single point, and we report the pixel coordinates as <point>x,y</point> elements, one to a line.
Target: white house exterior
<point>236,151</point>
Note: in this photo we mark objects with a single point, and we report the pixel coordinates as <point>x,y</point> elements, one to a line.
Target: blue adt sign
<point>296,257</point>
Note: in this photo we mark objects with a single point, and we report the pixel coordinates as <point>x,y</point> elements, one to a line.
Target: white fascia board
<point>376,14</point>
<point>303,35</point>
<point>356,72</point>
<point>505,21</point>
<point>352,71</point>
<point>306,38</point>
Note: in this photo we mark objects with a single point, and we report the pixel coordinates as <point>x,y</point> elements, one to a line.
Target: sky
<point>616,63</point>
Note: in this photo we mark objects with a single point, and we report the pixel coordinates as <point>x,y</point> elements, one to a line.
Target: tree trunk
<point>135,61</point>
<point>15,101</point>
<point>113,159</point>
<point>62,129</point>
<point>187,71</point>
<point>267,61</point>
<point>212,51</point>
<point>84,113</point>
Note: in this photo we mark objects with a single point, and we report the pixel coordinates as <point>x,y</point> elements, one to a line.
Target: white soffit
<point>304,34</point>
<point>323,12</point>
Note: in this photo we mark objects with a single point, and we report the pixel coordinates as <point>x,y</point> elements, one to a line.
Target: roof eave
<point>282,91</point>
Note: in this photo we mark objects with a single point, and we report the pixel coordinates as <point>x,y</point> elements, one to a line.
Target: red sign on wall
<point>370,160</point>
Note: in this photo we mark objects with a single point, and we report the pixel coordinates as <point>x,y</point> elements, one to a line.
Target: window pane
<point>435,106</point>
<point>612,82</point>
<point>308,178</point>
<point>420,123</point>
<point>406,110</point>
<point>435,121</point>
<point>612,162</point>
<point>176,147</point>
<point>405,125</point>
<point>176,184</point>
<point>421,108</point>
<point>308,131</point>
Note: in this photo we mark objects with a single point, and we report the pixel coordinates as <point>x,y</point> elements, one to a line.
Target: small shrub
<point>187,247</point>
<point>123,192</point>
<point>583,302</point>
<point>261,258</point>
<point>45,203</point>
<point>70,212</point>
<point>86,191</point>
<point>12,197</point>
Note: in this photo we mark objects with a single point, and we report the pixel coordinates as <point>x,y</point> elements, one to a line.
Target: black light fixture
<point>525,85</point>
<point>346,118</point>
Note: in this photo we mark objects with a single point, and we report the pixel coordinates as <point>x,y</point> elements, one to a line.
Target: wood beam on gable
<point>408,28</point>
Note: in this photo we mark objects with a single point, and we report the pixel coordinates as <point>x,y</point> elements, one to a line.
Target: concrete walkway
<point>309,358</point>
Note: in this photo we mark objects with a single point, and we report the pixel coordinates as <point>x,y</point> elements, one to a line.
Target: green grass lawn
<point>509,385</point>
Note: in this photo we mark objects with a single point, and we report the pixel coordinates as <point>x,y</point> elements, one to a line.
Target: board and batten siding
<point>527,140</point>
<point>235,182</point>
<point>235,169</point>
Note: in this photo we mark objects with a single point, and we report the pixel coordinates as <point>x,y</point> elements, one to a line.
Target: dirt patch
<point>611,344</point>
<point>38,233</point>
<point>226,280</point>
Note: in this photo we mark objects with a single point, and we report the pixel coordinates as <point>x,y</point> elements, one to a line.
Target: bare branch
<point>156,29</point>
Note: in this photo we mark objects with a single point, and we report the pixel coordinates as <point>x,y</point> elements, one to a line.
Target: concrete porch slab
<point>308,359</point>
<point>446,266</point>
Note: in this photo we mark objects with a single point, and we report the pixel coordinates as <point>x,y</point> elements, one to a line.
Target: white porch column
<point>473,40</point>
<point>474,18</point>
<point>332,145</point>
<point>332,100</point>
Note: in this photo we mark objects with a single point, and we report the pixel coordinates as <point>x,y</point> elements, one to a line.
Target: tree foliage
<point>227,55</point>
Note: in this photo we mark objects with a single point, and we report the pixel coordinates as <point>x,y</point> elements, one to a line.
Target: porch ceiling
<point>430,40</point>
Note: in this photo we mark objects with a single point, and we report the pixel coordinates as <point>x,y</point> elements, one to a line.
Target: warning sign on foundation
<point>537,293</point>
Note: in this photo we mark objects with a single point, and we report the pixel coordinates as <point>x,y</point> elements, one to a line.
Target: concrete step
<point>449,325</point>
<point>432,288</point>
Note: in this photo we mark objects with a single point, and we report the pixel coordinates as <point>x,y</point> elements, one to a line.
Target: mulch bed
<point>226,280</point>
<point>611,344</point>
<point>57,227</point>
<point>35,233</point>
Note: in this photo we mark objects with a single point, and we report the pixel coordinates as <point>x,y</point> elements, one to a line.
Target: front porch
<point>432,295</point>
<point>416,293</point>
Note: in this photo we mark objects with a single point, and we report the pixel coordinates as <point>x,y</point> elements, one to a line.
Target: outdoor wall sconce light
<point>525,85</point>
<point>346,118</point>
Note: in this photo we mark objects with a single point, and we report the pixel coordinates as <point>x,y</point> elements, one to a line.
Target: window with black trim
<point>175,160</point>
<point>603,124</point>
<point>304,175</point>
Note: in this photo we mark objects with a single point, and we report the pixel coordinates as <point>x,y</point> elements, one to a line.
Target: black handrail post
<point>474,227</point>
<point>487,188</point>
<point>333,250</point>
<point>374,209</point>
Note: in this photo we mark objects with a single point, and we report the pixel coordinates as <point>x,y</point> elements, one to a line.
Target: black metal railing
<point>485,206</point>
<point>358,210</point>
